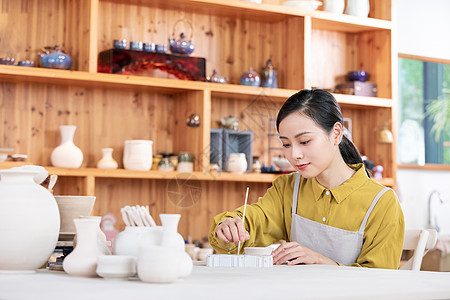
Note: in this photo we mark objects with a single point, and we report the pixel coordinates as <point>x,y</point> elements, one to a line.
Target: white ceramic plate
<point>303,4</point>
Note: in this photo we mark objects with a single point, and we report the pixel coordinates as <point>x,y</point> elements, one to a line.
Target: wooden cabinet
<point>309,49</point>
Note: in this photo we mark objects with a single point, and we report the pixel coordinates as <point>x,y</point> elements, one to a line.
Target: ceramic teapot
<point>231,123</point>
<point>55,58</point>
<point>181,45</point>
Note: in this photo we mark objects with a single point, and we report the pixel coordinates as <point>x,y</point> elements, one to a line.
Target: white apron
<point>340,245</point>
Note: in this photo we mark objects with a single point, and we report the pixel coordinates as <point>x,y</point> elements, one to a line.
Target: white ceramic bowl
<point>72,207</point>
<point>258,250</point>
<point>117,267</point>
<point>303,4</point>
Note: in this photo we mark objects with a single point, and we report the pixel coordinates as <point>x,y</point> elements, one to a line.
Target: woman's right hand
<point>232,230</point>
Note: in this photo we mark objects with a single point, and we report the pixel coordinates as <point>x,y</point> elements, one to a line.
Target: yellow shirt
<point>269,220</point>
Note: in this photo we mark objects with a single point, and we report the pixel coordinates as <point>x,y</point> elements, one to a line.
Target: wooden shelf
<point>161,175</point>
<point>269,13</point>
<point>103,80</point>
<point>434,167</point>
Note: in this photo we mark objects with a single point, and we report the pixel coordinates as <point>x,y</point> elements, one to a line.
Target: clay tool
<point>243,217</point>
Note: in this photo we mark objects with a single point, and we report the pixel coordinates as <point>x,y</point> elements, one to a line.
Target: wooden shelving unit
<point>308,48</point>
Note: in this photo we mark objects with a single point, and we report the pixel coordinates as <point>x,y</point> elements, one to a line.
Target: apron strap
<point>374,202</point>
<point>295,195</point>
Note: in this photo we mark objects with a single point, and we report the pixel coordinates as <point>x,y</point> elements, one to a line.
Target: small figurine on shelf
<point>215,77</point>
<point>250,78</point>
<point>107,226</point>
<point>230,122</point>
<point>182,45</point>
<point>55,58</point>
<point>377,170</point>
<point>269,76</point>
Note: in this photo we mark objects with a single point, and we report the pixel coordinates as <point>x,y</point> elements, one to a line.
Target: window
<point>421,83</point>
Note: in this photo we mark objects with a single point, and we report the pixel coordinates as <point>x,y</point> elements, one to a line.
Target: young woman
<point>329,211</point>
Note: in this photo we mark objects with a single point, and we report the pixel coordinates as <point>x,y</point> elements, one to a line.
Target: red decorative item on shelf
<point>121,61</point>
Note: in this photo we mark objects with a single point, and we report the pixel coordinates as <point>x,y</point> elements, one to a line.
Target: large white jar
<point>127,242</point>
<point>334,6</point>
<point>67,155</point>
<point>29,222</point>
<point>138,155</point>
<point>237,163</point>
<point>358,8</point>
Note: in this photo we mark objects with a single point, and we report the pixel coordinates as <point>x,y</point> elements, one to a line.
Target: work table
<point>277,282</point>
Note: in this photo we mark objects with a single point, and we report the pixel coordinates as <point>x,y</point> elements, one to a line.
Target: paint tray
<point>239,261</point>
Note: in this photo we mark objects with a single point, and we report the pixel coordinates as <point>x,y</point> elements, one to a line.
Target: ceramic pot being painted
<point>29,222</point>
<point>67,155</point>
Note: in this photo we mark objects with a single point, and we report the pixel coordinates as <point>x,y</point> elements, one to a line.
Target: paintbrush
<point>243,218</point>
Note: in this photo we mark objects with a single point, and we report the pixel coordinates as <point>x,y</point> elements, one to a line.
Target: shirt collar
<point>340,193</point>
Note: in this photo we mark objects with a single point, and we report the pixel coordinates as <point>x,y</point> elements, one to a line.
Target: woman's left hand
<point>293,253</point>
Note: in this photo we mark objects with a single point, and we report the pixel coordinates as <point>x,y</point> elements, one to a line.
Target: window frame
<point>426,166</point>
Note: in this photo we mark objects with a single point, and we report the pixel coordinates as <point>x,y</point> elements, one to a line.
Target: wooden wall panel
<point>32,113</point>
<point>366,126</point>
<point>197,210</point>
<point>47,23</point>
<point>334,54</point>
<point>193,139</point>
<point>374,55</point>
<point>230,45</point>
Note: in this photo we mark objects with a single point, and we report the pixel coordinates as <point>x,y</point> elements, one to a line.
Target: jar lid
<point>185,156</point>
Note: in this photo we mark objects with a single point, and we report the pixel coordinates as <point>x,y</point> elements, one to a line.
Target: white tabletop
<point>278,282</point>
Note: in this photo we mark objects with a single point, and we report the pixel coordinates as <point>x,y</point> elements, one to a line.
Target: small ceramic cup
<point>136,45</point>
<point>120,44</point>
<point>26,63</point>
<point>116,267</point>
<point>161,48</point>
<point>157,264</point>
<point>150,47</point>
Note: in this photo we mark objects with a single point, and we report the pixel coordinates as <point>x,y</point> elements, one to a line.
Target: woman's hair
<point>322,108</point>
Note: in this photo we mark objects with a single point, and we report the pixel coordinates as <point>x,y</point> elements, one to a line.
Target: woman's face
<point>307,146</point>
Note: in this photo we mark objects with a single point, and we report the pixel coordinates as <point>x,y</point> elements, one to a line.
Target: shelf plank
<point>161,175</point>
<point>355,101</point>
<point>163,85</point>
<point>268,13</point>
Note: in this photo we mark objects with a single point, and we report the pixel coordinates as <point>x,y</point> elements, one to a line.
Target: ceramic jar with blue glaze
<point>55,58</point>
<point>250,78</point>
<point>269,76</point>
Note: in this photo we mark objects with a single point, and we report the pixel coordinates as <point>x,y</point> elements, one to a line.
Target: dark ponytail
<point>322,108</point>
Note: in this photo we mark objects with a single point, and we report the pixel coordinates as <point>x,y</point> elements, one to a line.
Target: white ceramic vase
<point>127,242</point>
<point>138,155</point>
<point>237,163</point>
<point>29,222</point>
<point>171,238</point>
<point>67,155</point>
<point>358,8</point>
<point>107,161</point>
<point>334,6</point>
<point>82,261</point>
